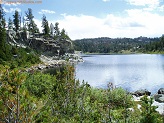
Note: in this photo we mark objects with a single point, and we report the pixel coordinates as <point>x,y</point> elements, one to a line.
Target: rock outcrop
<point>159,98</point>
<point>46,46</point>
<point>161,91</point>
<point>141,92</point>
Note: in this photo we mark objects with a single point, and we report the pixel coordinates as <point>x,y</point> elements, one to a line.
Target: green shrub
<point>39,84</point>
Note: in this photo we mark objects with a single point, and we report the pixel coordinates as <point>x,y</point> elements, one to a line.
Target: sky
<point>96,18</point>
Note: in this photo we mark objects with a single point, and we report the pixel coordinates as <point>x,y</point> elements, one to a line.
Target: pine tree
<point>32,27</point>
<point>10,24</point>
<point>2,33</point>
<point>63,35</point>
<point>46,29</point>
<point>16,21</point>
<point>4,48</point>
<point>149,113</point>
<point>2,17</point>
<point>57,31</point>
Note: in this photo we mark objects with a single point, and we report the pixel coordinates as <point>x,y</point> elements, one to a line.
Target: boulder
<point>142,92</point>
<point>161,91</point>
<point>159,98</point>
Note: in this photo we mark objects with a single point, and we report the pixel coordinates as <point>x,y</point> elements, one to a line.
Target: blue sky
<point>98,18</point>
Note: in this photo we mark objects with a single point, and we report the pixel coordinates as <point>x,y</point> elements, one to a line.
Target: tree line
<point>30,25</point>
<point>109,45</point>
<point>156,47</point>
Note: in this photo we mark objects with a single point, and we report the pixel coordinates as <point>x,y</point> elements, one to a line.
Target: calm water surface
<point>132,72</point>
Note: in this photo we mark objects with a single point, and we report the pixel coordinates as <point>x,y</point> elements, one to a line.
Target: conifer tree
<point>46,29</point>
<point>32,27</point>
<point>10,24</point>
<point>57,31</point>
<point>63,35</point>
<point>16,21</point>
<point>4,49</point>
<point>2,33</point>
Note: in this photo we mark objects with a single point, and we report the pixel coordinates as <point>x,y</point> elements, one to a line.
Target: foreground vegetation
<point>20,57</point>
<point>41,98</point>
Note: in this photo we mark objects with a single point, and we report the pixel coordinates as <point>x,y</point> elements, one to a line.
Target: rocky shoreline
<point>54,62</point>
<point>158,98</point>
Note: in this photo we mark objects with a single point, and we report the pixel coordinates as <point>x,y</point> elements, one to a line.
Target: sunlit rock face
<point>37,41</point>
<point>51,47</point>
<point>44,46</point>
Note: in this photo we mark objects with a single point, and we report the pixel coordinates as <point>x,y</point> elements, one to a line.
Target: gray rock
<point>159,98</point>
<point>161,91</point>
<point>50,47</point>
<point>44,46</point>
<point>142,92</point>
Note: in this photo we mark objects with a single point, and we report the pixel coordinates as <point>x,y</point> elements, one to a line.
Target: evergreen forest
<point>120,45</point>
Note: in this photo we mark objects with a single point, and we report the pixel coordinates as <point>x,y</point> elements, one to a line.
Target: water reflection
<point>131,72</point>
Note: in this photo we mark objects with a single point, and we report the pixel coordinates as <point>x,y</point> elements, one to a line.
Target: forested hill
<point>157,47</point>
<point>112,45</point>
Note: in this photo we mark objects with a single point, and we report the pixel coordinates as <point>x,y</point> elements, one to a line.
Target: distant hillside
<point>109,45</point>
<point>157,47</point>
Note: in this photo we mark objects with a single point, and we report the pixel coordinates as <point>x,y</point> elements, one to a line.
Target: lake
<point>131,72</point>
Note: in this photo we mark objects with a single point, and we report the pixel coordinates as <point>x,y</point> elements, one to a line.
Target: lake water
<point>131,72</point>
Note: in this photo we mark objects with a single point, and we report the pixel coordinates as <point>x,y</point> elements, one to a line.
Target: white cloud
<point>11,10</point>
<point>12,4</point>
<point>153,22</point>
<point>161,8</point>
<point>136,23</point>
<point>144,2</point>
<point>44,11</point>
<point>149,5</point>
<point>122,22</point>
<point>105,0</point>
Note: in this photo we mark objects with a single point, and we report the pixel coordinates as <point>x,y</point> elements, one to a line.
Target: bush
<point>39,84</point>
